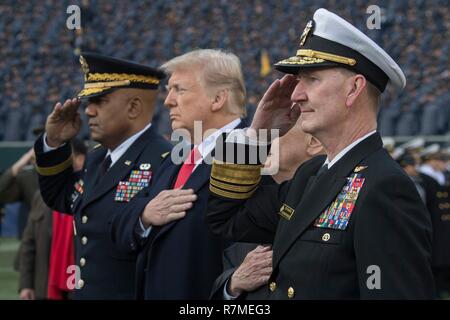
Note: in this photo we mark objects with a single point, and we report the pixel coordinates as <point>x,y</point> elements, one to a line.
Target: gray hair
<point>218,69</point>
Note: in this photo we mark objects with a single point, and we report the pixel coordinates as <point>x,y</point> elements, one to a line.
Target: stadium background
<point>39,58</point>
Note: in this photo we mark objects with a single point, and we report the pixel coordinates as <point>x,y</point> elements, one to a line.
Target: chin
<point>95,137</point>
<point>306,126</point>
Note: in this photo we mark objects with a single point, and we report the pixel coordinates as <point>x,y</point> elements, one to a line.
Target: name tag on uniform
<point>338,214</point>
<point>286,211</point>
<point>138,180</point>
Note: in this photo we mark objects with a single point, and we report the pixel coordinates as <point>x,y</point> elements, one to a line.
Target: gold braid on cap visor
<point>308,56</point>
<point>98,82</point>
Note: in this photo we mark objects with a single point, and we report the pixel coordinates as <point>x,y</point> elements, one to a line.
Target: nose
<point>170,99</point>
<point>90,110</point>
<point>299,94</point>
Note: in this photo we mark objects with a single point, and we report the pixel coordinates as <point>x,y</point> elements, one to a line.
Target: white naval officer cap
<point>330,41</point>
<point>414,144</point>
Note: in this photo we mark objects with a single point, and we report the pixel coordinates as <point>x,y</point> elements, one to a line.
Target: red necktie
<point>187,168</point>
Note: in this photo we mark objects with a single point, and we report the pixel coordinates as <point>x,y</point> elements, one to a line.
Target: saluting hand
<point>63,123</point>
<point>167,206</point>
<point>276,110</point>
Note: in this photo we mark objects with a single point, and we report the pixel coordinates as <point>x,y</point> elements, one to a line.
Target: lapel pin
<point>128,162</point>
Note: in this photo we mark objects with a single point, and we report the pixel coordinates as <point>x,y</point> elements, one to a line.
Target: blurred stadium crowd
<point>39,64</point>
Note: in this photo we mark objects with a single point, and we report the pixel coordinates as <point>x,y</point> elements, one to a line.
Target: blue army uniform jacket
<point>106,272</point>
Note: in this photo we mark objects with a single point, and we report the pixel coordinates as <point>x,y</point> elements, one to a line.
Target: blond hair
<point>217,70</point>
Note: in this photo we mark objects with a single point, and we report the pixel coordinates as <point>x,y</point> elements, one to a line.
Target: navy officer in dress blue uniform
<point>121,98</point>
<point>179,257</point>
<point>351,224</point>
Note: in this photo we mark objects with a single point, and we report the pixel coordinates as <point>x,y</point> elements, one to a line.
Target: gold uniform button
<point>84,240</point>
<point>82,262</point>
<point>291,292</point>
<point>84,219</point>
<point>326,237</point>
<point>272,286</point>
<point>80,283</point>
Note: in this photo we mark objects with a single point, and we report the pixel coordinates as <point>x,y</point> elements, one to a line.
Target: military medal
<point>79,189</point>
<point>338,214</point>
<point>138,180</point>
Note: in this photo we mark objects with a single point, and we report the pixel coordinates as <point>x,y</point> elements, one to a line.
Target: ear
<point>135,107</point>
<point>356,85</point>
<point>313,146</point>
<point>219,100</point>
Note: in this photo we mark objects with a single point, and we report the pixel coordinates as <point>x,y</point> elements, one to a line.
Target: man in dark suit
<point>349,225</point>
<point>179,257</point>
<point>121,97</point>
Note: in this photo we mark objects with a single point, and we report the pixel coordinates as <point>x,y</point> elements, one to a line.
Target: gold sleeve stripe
<point>231,195</point>
<point>51,171</point>
<point>236,173</point>
<point>231,187</point>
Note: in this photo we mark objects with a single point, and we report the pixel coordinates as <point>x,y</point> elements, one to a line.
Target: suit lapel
<point>196,181</point>
<point>119,170</point>
<point>319,194</point>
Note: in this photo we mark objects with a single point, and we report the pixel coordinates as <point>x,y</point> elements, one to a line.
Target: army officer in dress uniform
<point>121,99</point>
<point>349,225</point>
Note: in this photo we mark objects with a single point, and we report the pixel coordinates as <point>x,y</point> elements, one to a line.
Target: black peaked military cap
<point>103,74</point>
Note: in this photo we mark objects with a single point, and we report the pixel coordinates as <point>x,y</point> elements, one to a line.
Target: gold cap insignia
<point>84,67</point>
<point>359,168</point>
<point>306,31</point>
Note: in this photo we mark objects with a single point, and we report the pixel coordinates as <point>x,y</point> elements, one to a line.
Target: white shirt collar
<point>347,149</point>
<point>208,145</point>
<point>123,147</point>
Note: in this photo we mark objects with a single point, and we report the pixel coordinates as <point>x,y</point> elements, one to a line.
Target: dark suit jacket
<point>182,259</point>
<point>34,251</point>
<point>389,228</point>
<point>19,188</point>
<point>106,271</point>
